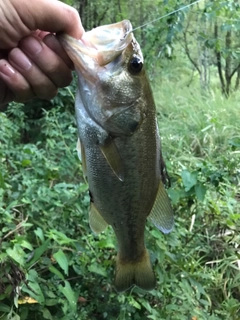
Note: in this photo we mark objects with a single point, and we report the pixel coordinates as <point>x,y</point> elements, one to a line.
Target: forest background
<point>51,265</point>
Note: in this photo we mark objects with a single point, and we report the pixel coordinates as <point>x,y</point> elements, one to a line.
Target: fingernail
<point>20,59</point>
<point>31,45</point>
<point>50,37</point>
<point>7,70</point>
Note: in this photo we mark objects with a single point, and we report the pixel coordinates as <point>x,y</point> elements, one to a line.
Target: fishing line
<point>166,15</point>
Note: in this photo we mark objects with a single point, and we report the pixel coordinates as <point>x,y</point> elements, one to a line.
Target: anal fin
<point>96,221</point>
<point>161,214</point>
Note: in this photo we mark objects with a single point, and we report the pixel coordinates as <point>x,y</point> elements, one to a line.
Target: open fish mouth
<point>98,47</point>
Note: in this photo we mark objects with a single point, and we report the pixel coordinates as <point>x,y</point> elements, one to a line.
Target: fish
<point>119,146</point>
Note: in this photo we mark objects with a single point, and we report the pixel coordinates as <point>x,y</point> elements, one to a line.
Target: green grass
<point>201,135</point>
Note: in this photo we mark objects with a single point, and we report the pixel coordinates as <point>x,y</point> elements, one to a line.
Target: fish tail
<point>139,273</point>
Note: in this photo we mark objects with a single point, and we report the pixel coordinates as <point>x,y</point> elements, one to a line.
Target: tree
<point>214,28</point>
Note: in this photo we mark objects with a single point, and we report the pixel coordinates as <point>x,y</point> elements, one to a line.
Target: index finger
<point>53,16</point>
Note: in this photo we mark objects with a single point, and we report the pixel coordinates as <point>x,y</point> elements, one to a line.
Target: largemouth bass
<point>119,146</point>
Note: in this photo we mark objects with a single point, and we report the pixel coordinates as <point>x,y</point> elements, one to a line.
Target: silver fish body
<point>120,146</point>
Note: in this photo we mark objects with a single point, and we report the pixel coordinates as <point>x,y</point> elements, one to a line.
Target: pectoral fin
<point>96,221</point>
<point>82,158</point>
<point>78,147</point>
<point>161,214</point>
<point>111,154</point>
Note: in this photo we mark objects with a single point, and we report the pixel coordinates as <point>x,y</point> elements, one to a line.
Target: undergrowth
<point>54,267</point>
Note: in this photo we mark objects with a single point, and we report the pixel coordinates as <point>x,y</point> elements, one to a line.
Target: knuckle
<point>52,94</point>
<point>65,80</point>
<point>47,94</point>
<point>24,96</point>
<point>73,13</point>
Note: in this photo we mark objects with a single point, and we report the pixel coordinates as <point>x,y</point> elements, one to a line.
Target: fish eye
<point>135,65</point>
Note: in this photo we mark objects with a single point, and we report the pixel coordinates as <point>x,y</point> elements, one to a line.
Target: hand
<point>32,61</point>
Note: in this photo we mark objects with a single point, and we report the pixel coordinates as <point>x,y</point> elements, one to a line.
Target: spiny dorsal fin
<point>96,221</point>
<point>111,154</point>
<point>161,214</point>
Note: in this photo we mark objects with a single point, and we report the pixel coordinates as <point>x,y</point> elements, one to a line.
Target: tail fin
<point>137,273</point>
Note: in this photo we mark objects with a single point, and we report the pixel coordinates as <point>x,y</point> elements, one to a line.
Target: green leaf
<point>47,314</point>
<point>189,179</point>
<point>26,162</point>
<point>38,252</point>
<point>23,243</point>
<point>200,191</point>
<point>69,294</point>
<point>61,260</point>
<point>51,302</point>
<point>174,195</point>
<point>17,254</point>
<point>36,291</point>
<point>60,237</point>
<point>134,303</point>
<point>33,287</point>
<point>235,142</point>
<point>2,184</point>
<point>56,272</point>
<point>39,233</point>
<point>97,269</point>
<point>15,317</point>
<point>106,243</point>
<point>3,256</point>
<point>7,292</point>
<point>156,233</point>
<point>4,308</point>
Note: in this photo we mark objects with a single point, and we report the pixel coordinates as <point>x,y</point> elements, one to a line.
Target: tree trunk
<point>219,62</point>
<point>228,61</point>
<point>83,11</point>
<point>237,79</point>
